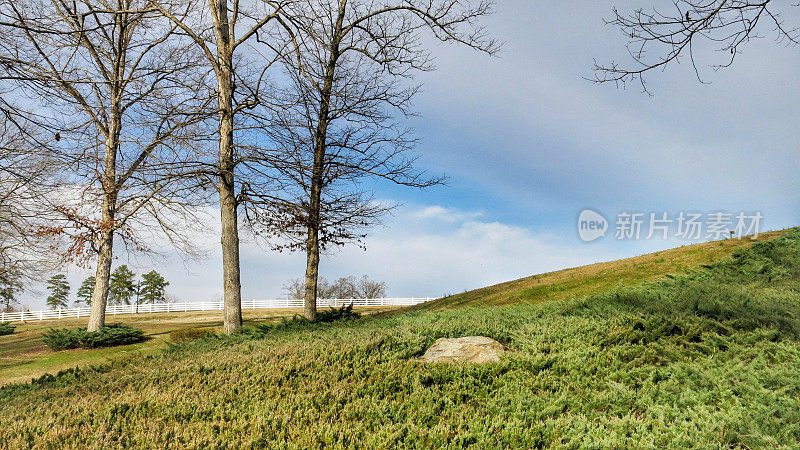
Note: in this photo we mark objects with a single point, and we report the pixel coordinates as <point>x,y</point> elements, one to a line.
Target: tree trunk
<point>320,148</point>
<point>105,242</point>
<point>97,318</point>
<point>314,217</point>
<point>232,321</point>
<point>230,257</point>
<point>312,274</point>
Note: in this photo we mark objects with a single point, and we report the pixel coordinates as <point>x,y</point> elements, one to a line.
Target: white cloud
<point>424,259</point>
<point>444,214</point>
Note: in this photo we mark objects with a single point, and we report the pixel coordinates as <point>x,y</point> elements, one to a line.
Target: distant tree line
<point>124,289</point>
<point>345,287</point>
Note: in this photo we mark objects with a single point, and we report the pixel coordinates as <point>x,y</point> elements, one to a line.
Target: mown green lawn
<point>707,359</point>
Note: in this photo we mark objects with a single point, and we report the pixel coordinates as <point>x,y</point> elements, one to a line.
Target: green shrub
<point>299,322</point>
<point>64,338</point>
<point>108,336</point>
<point>188,334</point>
<point>334,314</point>
<point>6,328</point>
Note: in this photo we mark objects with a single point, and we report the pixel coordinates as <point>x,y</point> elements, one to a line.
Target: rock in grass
<point>472,349</point>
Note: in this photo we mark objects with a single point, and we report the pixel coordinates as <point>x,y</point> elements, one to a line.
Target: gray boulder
<point>472,349</point>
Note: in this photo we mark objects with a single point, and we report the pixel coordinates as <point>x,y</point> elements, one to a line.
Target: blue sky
<point>527,143</point>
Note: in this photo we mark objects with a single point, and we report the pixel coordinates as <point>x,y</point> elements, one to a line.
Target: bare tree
<point>352,287</point>
<point>223,32</point>
<point>112,84</point>
<point>368,288</point>
<point>659,37</point>
<point>335,123</point>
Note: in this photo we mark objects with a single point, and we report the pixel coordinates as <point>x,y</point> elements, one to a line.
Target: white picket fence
<point>21,316</point>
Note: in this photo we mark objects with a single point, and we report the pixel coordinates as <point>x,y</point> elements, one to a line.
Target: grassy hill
<point>586,280</point>
<point>707,358</point>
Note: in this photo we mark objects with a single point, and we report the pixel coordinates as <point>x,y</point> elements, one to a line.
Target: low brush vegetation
<point>188,334</point>
<point>6,328</point>
<point>108,336</point>
<point>710,358</point>
<point>298,322</point>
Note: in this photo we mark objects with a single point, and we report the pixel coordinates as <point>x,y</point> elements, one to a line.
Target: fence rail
<point>148,308</point>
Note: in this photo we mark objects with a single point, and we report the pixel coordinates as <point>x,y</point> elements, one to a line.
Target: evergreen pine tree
<point>153,287</point>
<point>59,291</point>
<point>122,287</point>
<point>85,291</point>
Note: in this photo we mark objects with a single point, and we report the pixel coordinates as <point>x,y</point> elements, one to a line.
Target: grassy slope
<point>586,280</point>
<point>707,359</point>
<point>24,356</point>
